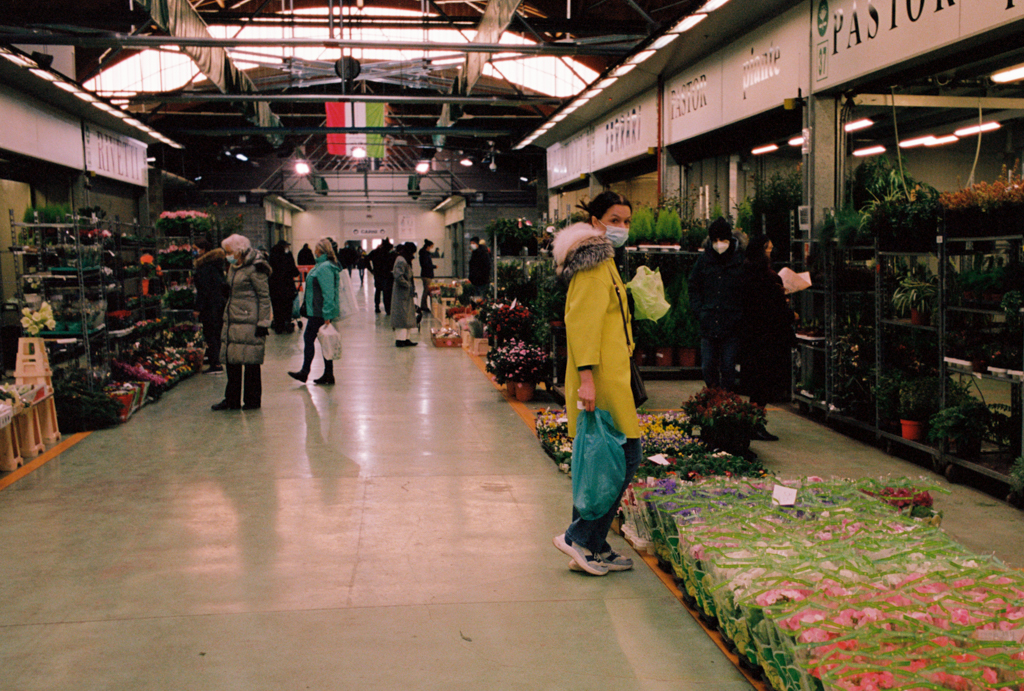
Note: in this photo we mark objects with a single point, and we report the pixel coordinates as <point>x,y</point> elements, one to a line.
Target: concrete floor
<point>391,532</point>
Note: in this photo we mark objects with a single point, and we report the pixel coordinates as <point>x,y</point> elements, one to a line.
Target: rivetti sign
<point>853,38</point>
<point>115,156</point>
<point>569,159</point>
<point>626,134</point>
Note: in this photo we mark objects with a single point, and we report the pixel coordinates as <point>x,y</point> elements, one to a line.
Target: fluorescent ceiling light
<point>151,159</point>
<point>67,86</point>
<point>858,125</point>
<point>939,141</point>
<point>870,151</point>
<point>467,161</point>
<point>796,141</point>
<point>975,129</point>
<point>605,83</point>
<point>43,73</point>
<point>916,141</point>
<point>522,179</point>
<point>423,167</point>
<point>241,157</point>
<point>641,56</point>
<point>558,118</point>
<point>764,149</point>
<point>688,23</point>
<point>302,168</point>
<point>18,60</point>
<point>85,96</point>
<point>664,41</point>
<point>622,70</point>
<point>712,5</point>
<point>1009,75</point>
<point>359,152</point>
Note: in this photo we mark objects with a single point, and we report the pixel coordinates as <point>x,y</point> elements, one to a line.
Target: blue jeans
<point>594,534</point>
<point>718,360</point>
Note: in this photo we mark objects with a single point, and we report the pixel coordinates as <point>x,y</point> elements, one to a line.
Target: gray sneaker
<point>612,560</point>
<point>582,558</point>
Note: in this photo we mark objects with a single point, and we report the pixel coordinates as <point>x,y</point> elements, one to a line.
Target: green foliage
<point>770,207</point>
<point>78,408</point>
<point>513,284</point>
<point>899,209</point>
<point>915,294</point>
<point>51,213</point>
<point>919,398</point>
<point>516,229</point>
<point>967,421</point>
<point>668,227</point>
<point>696,234</point>
<point>641,228</point>
<point>1017,478</point>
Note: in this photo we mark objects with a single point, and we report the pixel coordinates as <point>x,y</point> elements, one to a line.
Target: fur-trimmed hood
<point>215,255</point>
<point>579,247</point>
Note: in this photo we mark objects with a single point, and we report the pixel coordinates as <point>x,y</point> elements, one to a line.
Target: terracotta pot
<point>912,430</point>
<point>642,357</point>
<point>524,390</point>
<point>686,357</point>
<point>918,319</point>
<point>663,357</point>
<point>145,286</point>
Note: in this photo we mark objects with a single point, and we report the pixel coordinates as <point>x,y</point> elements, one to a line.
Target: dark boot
<point>299,376</point>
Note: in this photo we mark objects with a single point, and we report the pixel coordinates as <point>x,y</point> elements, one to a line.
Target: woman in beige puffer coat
<point>247,319</point>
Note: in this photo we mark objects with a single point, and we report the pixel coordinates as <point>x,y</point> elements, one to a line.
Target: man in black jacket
<point>380,267</point>
<point>479,265</point>
<point>211,290</point>
<point>716,299</point>
<point>426,273</point>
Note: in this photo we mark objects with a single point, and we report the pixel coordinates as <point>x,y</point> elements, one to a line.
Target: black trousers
<point>252,381</point>
<point>211,334</point>
<point>281,304</point>
<point>313,325</point>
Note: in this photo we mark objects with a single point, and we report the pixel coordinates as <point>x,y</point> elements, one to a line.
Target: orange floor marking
<point>42,459</point>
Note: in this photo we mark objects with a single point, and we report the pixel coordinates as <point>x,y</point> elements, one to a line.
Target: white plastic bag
<point>346,297</point>
<point>648,294</point>
<point>330,341</point>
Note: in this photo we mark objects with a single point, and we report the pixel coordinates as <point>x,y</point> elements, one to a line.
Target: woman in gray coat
<point>403,297</point>
<point>247,319</point>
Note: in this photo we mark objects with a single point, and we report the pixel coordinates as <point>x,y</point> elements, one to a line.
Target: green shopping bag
<point>598,464</point>
<point>648,292</point>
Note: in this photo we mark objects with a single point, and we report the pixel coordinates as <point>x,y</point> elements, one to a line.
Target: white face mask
<point>473,246</point>
<point>720,246</point>
<point>617,235</point>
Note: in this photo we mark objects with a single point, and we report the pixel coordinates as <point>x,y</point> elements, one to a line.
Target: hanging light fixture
<point>861,124</point>
<point>869,151</point>
<point>767,149</point>
<point>302,168</point>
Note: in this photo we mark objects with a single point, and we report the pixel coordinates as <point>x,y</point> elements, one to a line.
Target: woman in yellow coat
<point>597,372</point>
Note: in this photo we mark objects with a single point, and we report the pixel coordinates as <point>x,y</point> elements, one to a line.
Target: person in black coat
<point>282,286</point>
<point>381,267</point>
<point>479,265</point>
<point>426,273</point>
<point>306,257</point>
<point>716,299</point>
<point>211,289</point>
<point>768,335</point>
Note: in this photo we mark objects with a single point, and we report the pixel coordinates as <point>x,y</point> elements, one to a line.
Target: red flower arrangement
<point>507,322</point>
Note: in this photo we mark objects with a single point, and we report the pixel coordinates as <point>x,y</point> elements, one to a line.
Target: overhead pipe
<point>394,131</point>
<point>212,96</point>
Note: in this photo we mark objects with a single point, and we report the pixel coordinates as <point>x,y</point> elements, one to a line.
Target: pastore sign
<point>627,134</point>
<point>853,38</point>
<point>115,156</point>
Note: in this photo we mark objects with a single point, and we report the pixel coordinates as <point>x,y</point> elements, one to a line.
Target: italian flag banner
<point>355,115</point>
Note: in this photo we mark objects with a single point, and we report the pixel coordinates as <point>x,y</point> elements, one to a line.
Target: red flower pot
<point>663,357</point>
<point>686,357</point>
<point>912,430</point>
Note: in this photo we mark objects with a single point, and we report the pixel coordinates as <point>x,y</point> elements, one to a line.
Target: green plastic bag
<point>598,464</point>
<point>648,292</point>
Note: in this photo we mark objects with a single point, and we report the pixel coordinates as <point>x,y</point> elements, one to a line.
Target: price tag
<point>784,496</point>
<point>659,459</point>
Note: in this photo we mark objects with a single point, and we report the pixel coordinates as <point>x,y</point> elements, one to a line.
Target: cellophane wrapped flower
<point>39,320</point>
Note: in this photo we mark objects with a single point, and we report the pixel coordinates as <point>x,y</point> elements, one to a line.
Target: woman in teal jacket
<point>321,307</point>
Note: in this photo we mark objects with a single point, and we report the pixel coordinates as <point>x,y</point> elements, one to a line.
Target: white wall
<point>400,224</point>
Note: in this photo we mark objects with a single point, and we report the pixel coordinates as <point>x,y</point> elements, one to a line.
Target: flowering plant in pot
<point>506,322</point>
<point>726,421</point>
<point>518,361</point>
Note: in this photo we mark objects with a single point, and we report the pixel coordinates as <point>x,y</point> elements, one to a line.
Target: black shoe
<point>401,344</point>
<point>419,317</point>
<point>214,370</point>
<point>407,343</point>
<point>762,434</point>
<point>377,310</point>
<point>251,406</point>
<point>223,405</point>
<point>299,376</point>
<point>324,380</point>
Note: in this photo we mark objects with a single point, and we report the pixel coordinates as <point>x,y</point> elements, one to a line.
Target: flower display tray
<point>446,340</point>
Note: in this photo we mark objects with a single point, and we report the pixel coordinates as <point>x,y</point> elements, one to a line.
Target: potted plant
<point>965,425</point>
<point>668,229</point>
<point>641,227</point>
<point>918,402</point>
<point>644,337</point>
<point>916,298</point>
<point>1016,496</point>
<point>726,421</point>
<point>520,365</point>
<point>506,323</point>
<point>512,235</point>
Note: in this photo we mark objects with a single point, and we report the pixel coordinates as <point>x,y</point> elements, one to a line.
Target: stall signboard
<point>114,155</point>
<point>752,75</point>
<point>627,133</point>
<point>766,66</point>
<point>569,160</point>
<point>693,101</point>
<point>853,39</point>
<point>370,233</point>
<point>35,129</point>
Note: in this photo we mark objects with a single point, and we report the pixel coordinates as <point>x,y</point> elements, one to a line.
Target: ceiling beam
<point>129,41</point>
<point>392,131</point>
<point>206,97</point>
<point>912,101</point>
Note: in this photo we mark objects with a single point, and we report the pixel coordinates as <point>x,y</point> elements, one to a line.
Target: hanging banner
<point>854,39</point>
<point>626,134</point>
<point>355,115</point>
<point>115,156</point>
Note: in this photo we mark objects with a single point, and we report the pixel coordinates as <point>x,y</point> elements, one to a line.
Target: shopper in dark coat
<point>210,286</point>
<point>768,337</point>
<point>426,273</point>
<point>306,257</point>
<point>479,265</point>
<point>282,286</point>
<point>403,299</point>
<point>716,299</point>
<point>380,267</point>
<point>246,323</point>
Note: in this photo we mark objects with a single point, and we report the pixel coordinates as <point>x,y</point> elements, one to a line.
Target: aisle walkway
<point>391,532</point>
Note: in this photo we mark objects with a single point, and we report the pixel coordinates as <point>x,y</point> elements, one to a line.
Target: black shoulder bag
<point>636,382</point>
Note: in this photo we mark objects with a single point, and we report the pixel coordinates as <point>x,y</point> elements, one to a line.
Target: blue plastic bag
<point>598,464</point>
